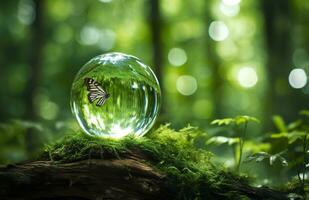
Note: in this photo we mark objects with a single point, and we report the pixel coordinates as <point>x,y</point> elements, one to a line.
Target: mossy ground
<point>189,171</point>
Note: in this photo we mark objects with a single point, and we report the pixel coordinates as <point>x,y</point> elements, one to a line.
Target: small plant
<point>272,158</point>
<point>296,134</point>
<point>240,122</point>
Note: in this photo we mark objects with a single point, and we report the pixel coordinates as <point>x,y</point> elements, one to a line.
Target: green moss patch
<point>188,169</point>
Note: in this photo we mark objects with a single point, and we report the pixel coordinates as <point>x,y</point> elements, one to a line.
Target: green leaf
<point>224,121</point>
<point>295,135</point>
<point>258,157</point>
<point>277,157</point>
<point>236,120</point>
<point>254,146</point>
<point>245,119</point>
<point>291,136</point>
<point>279,123</point>
<point>28,124</point>
<point>293,196</point>
<point>304,112</point>
<point>279,135</point>
<point>222,140</point>
<point>294,125</point>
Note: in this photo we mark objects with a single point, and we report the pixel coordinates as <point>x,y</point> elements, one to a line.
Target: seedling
<point>241,122</point>
<point>296,131</point>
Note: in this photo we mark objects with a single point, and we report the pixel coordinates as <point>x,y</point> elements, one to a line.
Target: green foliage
<point>304,112</point>
<point>291,136</point>
<point>218,140</point>
<point>272,158</point>
<point>279,123</point>
<point>237,121</point>
<point>296,134</point>
<point>225,121</point>
<point>14,135</point>
<point>171,152</point>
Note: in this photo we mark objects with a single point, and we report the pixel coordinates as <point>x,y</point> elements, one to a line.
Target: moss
<point>295,188</point>
<point>189,171</point>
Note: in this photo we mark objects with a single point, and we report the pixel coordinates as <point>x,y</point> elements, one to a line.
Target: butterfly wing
<point>95,92</point>
<point>101,101</point>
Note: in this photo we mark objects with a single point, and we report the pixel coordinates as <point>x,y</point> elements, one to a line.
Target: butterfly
<point>96,92</point>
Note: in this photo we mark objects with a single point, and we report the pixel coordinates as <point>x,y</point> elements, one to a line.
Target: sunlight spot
<point>266,181</point>
<point>247,77</point>
<point>134,85</point>
<point>229,162</point>
<point>231,2</point>
<point>171,7</point>
<point>107,39</point>
<point>89,35</point>
<point>298,78</point>
<point>177,57</point>
<point>186,85</point>
<point>47,109</point>
<point>119,132</point>
<point>218,31</point>
<point>105,1</point>
<point>229,10</point>
<point>25,12</point>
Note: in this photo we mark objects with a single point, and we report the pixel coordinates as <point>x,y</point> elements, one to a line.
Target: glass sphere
<point>115,95</point>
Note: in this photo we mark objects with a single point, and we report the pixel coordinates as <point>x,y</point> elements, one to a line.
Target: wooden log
<point>128,177</point>
<point>88,179</point>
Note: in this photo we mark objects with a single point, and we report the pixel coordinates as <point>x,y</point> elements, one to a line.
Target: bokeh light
<point>186,85</point>
<point>298,78</point>
<point>247,77</point>
<point>25,12</point>
<point>47,109</point>
<point>218,31</point>
<point>177,57</point>
<point>231,2</point>
<point>105,1</point>
<point>89,35</point>
<point>229,10</point>
<point>107,40</point>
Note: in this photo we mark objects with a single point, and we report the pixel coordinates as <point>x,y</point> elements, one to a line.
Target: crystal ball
<point>115,95</point>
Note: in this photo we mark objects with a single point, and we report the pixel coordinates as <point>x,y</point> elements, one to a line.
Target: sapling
<point>240,122</point>
<point>294,132</point>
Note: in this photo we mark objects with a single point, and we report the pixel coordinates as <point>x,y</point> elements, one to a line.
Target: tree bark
<point>110,178</point>
<point>88,179</point>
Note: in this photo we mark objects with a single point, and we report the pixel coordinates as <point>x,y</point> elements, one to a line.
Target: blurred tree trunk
<point>35,65</point>
<point>280,97</point>
<point>213,62</point>
<point>155,26</point>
